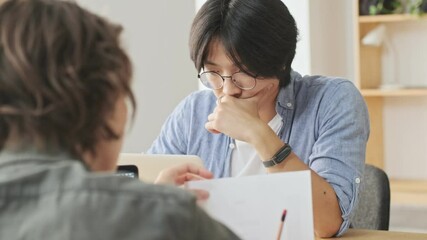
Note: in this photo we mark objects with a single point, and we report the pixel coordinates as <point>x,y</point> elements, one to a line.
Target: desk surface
<point>359,234</point>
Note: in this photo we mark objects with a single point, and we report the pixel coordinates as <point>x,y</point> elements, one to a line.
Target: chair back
<point>373,211</point>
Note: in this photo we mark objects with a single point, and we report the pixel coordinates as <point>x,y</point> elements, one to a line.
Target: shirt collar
<point>286,97</point>
<point>8,157</point>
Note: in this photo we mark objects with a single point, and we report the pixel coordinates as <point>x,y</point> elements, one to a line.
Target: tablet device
<point>148,166</point>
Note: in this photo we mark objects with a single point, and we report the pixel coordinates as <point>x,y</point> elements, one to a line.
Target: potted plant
<point>376,7</point>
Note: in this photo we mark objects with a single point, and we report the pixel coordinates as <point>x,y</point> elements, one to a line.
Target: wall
<point>331,44</point>
<point>405,138</point>
<point>405,41</point>
<point>156,36</point>
<point>405,119</point>
<point>301,13</point>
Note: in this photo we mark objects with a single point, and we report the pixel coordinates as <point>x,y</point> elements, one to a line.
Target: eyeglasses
<point>214,80</point>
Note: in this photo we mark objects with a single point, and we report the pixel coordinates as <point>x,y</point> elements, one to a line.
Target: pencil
<point>282,222</point>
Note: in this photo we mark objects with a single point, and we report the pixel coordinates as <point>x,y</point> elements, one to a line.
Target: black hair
<point>260,36</point>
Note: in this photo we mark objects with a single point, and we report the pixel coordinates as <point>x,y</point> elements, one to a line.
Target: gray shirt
<point>55,197</point>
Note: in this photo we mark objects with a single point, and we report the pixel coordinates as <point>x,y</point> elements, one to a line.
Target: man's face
<point>218,61</point>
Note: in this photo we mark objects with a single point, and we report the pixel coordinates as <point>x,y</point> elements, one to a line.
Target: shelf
<point>409,185</point>
<point>409,192</point>
<point>390,18</point>
<point>394,93</point>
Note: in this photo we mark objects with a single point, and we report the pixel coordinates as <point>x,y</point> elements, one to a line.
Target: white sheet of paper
<point>252,206</point>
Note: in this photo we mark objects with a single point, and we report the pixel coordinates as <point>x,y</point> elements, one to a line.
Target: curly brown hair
<point>62,69</point>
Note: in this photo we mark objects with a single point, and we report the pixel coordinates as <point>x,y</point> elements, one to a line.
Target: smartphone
<point>127,171</point>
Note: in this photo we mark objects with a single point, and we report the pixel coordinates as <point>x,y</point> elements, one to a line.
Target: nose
<point>230,88</point>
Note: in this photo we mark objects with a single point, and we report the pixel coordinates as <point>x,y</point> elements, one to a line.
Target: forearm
<point>327,213</point>
<point>326,210</point>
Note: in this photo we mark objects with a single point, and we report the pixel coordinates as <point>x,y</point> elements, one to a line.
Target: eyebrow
<point>207,62</point>
<point>210,63</point>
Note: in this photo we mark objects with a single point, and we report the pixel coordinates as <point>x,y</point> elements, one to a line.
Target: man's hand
<point>180,174</point>
<point>236,117</point>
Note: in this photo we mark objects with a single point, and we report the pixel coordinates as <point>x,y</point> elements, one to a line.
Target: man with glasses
<point>259,116</point>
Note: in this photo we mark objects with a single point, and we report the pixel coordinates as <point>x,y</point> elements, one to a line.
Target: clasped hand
<point>236,117</point>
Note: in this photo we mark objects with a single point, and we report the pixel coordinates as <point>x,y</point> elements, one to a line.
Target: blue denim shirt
<point>325,120</point>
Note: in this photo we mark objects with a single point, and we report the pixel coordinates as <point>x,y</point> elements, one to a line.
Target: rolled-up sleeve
<point>338,154</point>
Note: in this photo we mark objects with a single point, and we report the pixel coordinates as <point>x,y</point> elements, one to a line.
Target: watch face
<point>127,171</point>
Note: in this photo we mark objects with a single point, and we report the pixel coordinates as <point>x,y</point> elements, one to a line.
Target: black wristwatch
<point>280,155</point>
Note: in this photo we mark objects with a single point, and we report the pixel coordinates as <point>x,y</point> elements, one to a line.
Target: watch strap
<point>280,155</point>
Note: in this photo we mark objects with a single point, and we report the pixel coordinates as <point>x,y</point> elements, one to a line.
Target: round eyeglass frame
<point>223,80</point>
